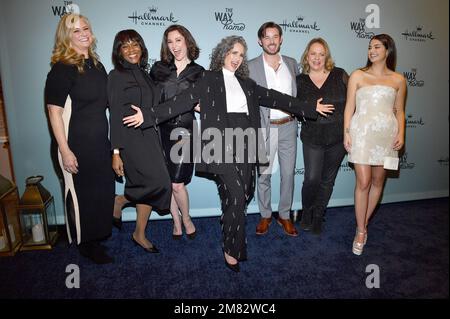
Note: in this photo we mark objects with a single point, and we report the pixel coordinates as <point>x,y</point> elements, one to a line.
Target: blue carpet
<point>409,242</point>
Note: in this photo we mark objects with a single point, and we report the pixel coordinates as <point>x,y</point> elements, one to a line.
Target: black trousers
<point>236,189</point>
<point>321,167</point>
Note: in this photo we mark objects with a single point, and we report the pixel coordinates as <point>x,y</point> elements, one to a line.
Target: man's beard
<point>270,53</point>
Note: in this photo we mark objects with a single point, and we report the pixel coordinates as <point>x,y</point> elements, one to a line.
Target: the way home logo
<point>67,7</point>
<point>443,161</point>
<point>418,34</point>
<point>359,27</point>
<point>150,17</point>
<point>413,121</point>
<point>404,164</point>
<point>411,77</point>
<point>299,25</point>
<point>225,18</point>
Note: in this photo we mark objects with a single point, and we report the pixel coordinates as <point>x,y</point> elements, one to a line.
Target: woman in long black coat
<point>229,100</point>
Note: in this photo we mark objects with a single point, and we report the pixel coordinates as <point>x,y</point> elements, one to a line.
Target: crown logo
<point>300,18</point>
<point>153,9</point>
<point>419,28</point>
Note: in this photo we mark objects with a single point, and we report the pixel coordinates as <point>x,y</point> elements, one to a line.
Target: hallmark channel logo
<point>226,20</point>
<point>418,35</point>
<point>152,18</point>
<point>404,164</point>
<point>360,29</point>
<point>68,7</point>
<point>443,161</point>
<point>411,77</point>
<point>413,122</point>
<point>299,25</point>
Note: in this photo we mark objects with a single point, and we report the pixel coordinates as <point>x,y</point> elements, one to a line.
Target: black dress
<point>147,178</point>
<point>166,76</point>
<point>90,193</point>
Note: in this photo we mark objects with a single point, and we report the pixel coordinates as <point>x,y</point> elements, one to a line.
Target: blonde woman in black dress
<point>323,150</point>
<point>75,94</point>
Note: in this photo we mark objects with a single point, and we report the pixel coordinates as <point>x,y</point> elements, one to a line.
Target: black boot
<point>95,252</point>
<point>306,221</point>
<point>317,220</point>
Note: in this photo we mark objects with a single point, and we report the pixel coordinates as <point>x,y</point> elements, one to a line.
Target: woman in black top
<point>137,152</point>
<point>323,150</point>
<point>75,94</point>
<point>174,73</point>
<point>230,102</point>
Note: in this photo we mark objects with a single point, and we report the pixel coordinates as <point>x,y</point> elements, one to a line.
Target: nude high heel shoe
<point>358,247</point>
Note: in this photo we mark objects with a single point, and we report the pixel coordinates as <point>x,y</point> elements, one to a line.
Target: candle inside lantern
<point>38,233</point>
<point>2,242</point>
<point>11,233</point>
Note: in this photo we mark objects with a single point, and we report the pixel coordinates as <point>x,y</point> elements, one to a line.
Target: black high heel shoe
<point>177,237</point>
<point>152,249</point>
<point>234,267</point>
<point>192,235</point>
<point>117,222</point>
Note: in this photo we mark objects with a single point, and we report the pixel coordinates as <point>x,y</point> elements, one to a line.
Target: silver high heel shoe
<point>358,247</point>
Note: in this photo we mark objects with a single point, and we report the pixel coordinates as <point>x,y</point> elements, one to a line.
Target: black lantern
<point>10,239</point>
<point>37,216</point>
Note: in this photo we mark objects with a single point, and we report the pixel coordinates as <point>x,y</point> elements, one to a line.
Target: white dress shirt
<point>236,99</point>
<point>279,80</point>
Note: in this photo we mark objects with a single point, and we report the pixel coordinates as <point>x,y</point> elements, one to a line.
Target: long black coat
<point>147,178</point>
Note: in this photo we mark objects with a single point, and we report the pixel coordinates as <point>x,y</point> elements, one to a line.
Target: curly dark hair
<point>125,36</point>
<point>222,49</point>
<point>193,50</point>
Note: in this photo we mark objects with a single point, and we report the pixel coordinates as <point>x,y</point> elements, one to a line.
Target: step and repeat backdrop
<point>420,29</point>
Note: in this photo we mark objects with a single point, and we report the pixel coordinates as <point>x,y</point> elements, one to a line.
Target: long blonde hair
<point>62,51</point>
<point>329,63</point>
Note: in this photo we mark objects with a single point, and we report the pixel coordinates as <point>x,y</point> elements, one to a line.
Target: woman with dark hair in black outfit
<point>137,152</point>
<point>174,73</point>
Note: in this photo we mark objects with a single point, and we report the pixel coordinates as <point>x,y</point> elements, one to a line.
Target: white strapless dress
<point>374,126</point>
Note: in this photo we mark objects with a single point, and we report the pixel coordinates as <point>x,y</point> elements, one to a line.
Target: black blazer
<point>209,91</point>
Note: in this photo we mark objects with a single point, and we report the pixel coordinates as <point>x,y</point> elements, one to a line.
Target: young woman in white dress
<point>374,127</point>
